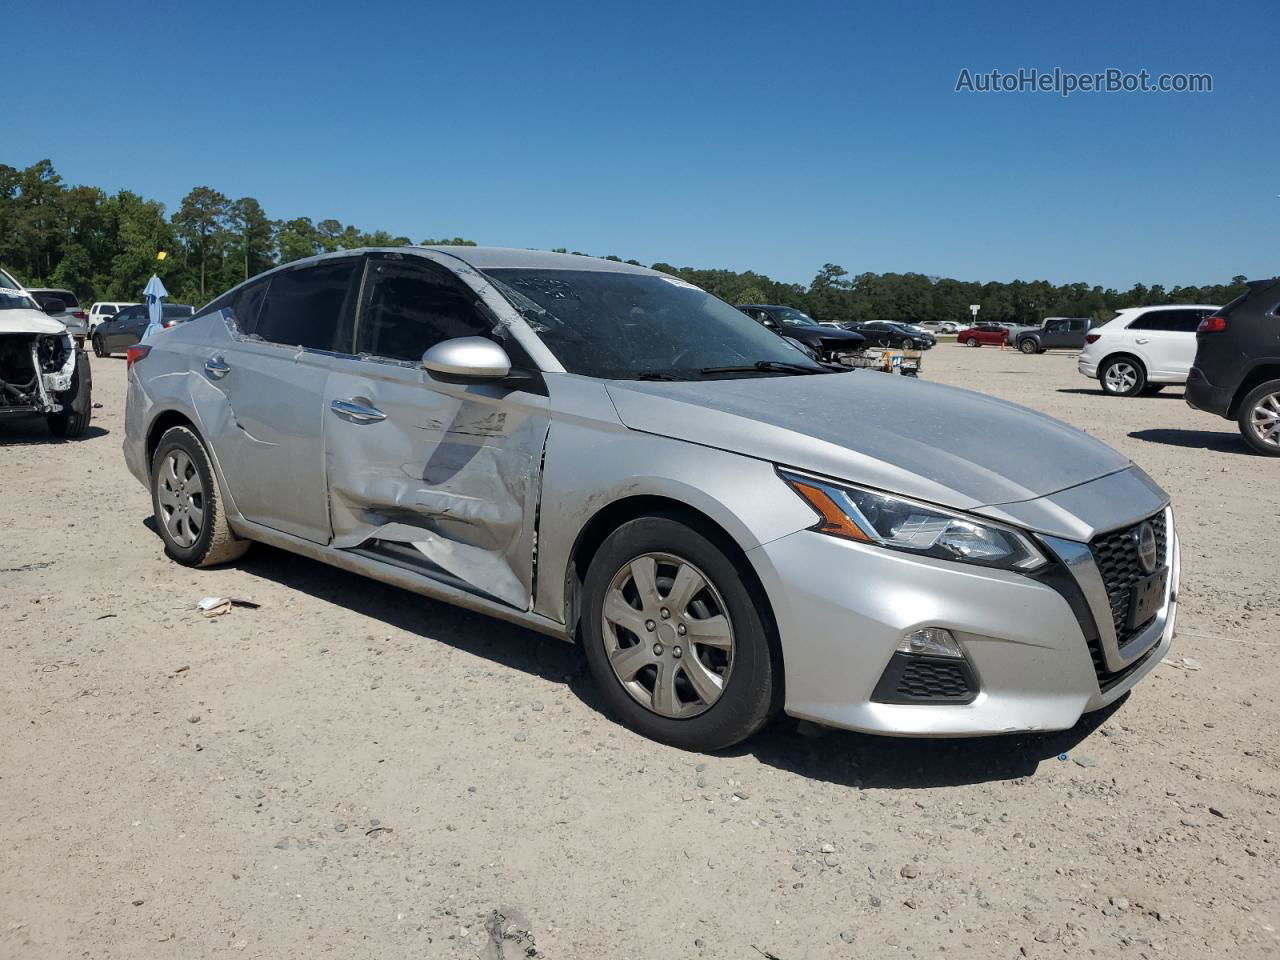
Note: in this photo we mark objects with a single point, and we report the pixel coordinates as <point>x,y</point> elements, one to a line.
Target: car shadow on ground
<point>1215,440</point>
<point>35,430</point>
<point>849,759</point>
<point>895,763</point>
<point>1097,392</point>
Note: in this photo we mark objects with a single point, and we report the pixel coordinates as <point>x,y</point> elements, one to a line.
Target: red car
<point>980,333</point>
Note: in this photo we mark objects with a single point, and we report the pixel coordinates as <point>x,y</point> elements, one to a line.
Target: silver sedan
<point>612,456</point>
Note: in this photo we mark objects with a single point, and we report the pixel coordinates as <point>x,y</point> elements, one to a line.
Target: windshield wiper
<point>653,375</point>
<point>766,366</point>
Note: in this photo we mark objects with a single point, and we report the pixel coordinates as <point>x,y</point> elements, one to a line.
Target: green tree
<point>253,235</point>
<point>201,223</point>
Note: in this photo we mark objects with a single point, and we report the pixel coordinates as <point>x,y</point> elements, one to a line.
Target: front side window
<point>408,307</point>
<point>307,307</point>
<point>635,326</point>
<point>794,318</point>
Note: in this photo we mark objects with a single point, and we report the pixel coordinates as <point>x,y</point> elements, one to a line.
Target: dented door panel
<point>446,479</point>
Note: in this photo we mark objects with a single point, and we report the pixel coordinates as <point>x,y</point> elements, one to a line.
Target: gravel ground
<point>354,771</point>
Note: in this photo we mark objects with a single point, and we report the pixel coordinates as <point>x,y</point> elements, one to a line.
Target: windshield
<point>794,318</point>
<point>15,300</point>
<point>631,326</point>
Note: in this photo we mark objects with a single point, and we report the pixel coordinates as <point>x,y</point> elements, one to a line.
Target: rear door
<point>296,326</point>
<point>441,479</point>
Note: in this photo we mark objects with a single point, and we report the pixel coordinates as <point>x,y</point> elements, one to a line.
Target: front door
<point>441,479</point>
<point>275,385</point>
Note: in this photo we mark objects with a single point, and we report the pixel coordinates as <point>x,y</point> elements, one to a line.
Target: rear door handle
<point>356,411</point>
<point>216,368</point>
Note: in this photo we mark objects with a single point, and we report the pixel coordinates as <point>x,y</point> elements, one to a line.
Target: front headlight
<point>870,516</point>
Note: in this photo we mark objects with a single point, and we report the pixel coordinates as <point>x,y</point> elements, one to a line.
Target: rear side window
<point>408,307</point>
<point>307,307</point>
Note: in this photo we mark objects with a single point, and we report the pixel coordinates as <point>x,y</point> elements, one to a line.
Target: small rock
<point>910,903</point>
<point>193,718</point>
<point>340,827</point>
<point>699,943</point>
<point>1217,812</point>
<point>699,768</point>
<point>798,867</point>
<point>138,903</point>
<point>1120,903</point>
<point>536,706</point>
<point>828,848</point>
<point>1045,936</point>
<point>521,737</point>
<point>742,795</point>
<point>282,843</point>
<point>874,900</point>
<point>910,871</point>
<point>1084,761</point>
<point>846,936</point>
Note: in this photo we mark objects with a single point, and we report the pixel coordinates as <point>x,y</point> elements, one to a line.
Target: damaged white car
<point>42,373</point>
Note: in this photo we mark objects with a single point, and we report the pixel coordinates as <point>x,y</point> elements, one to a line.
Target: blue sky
<point>764,136</point>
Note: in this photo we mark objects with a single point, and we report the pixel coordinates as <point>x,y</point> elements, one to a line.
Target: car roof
<point>497,258</point>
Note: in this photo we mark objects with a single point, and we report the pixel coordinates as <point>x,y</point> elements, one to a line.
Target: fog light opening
<point>930,642</point>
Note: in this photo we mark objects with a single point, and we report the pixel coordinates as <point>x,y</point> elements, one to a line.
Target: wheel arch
<point>164,421</point>
<point>1122,355</point>
<point>1261,373</point>
<point>613,515</point>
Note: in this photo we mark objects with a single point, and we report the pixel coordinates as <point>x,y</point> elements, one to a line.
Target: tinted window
<point>1055,326</point>
<point>1170,321</point>
<point>628,325</point>
<point>108,309</point>
<point>175,311</point>
<point>307,307</point>
<point>408,307</point>
<point>1151,320</point>
<point>246,304</point>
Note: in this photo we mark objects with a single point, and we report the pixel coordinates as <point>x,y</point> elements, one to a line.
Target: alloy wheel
<point>1264,419</point>
<point>667,635</point>
<point>1121,377</point>
<point>181,497</point>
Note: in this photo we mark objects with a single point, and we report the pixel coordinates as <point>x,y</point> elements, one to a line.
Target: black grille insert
<point>1116,556</point>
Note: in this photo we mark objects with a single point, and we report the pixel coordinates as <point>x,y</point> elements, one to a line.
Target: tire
<point>1259,418</point>
<point>97,347</point>
<point>908,344</point>
<point>738,681</point>
<point>188,504</point>
<point>77,404</point>
<point>971,342</point>
<point>1028,346</point>
<point>1122,377</point>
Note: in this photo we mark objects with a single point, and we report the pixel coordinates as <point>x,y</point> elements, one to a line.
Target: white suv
<point>1143,348</point>
<point>101,312</point>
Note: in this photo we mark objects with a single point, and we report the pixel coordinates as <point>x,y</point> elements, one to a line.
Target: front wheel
<point>971,342</point>
<point>1260,418</point>
<point>678,647</point>
<point>1122,377</point>
<point>1029,346</point>
<point>188,504</point>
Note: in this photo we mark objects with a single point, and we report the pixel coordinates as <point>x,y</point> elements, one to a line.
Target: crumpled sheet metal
<point>466,506</point>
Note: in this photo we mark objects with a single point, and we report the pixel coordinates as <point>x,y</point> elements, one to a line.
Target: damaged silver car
<point>610,455</point>
<point>42,372</point>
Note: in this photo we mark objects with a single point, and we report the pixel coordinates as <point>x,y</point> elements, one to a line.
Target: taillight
<point>1216,323</point>
<point>1092,337</point>
<point>79,314</point>
<point>135,353</point>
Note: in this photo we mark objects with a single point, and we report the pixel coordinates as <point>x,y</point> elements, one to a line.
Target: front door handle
<point>216,368</point>
<point>356,411</point>
<point>1142,340</point>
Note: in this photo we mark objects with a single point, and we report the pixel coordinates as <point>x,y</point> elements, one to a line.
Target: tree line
<point>103,246</point>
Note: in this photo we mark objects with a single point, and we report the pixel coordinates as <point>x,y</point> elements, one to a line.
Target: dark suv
<point>1057,333</point>
<point>1236,373</point>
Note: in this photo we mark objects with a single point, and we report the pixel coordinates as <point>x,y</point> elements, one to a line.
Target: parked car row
<point>118,332</point>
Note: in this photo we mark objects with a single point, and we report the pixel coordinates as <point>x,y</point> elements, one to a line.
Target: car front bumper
<point>843,607</point>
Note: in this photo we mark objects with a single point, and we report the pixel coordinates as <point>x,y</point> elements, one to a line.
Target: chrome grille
<point>1116,556</point>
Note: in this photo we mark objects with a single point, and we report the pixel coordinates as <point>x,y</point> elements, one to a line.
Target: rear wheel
<point>1260,418</point>
<point>971,342</point>
<point>1122,377</point>
<point>908,344</point>
<point>98,350</point>
<point>679,649</point>
<point>188,503</point>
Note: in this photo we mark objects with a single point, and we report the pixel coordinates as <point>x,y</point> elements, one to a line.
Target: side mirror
<point>53,307</point>
<point>467,359</point>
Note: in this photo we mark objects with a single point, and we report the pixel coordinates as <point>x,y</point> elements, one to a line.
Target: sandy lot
<point>354,771</point>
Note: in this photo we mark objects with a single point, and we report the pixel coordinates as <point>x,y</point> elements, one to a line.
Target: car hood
<point>29,321</point>
<point>941,444</point>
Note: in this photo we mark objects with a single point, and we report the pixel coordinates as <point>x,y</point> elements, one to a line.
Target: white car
<point>1143,348</point>
<point>101,311</point>
<point>42,374</point>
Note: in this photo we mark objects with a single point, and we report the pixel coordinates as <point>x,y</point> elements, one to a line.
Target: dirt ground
<point>354,771</point>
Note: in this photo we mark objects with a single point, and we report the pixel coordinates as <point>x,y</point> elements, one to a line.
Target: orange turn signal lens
<point>834,520</point>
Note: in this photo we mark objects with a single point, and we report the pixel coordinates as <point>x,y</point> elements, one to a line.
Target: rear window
<point>66,296</point>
